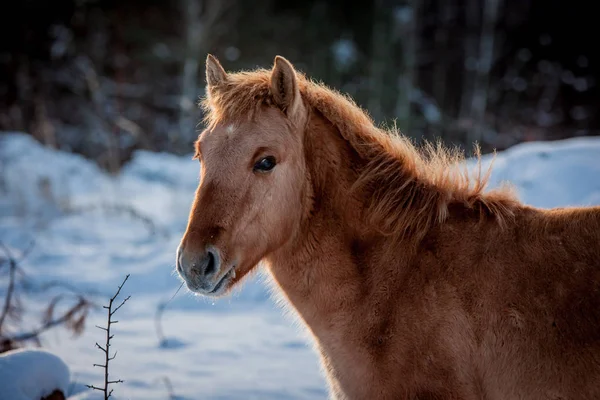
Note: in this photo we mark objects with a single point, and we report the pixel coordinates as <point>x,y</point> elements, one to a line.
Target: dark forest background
<point>105,77</point>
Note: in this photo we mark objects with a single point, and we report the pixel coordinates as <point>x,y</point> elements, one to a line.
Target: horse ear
<point>215,74</point>
<point>284,86</point>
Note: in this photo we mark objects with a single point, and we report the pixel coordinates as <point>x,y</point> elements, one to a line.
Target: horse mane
<point>408,189</point>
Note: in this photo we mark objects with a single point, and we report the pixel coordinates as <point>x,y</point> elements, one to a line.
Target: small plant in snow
<point>106,348</point>
<point>12,309</point>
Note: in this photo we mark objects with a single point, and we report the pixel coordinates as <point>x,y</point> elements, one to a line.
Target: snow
<point>91,229</point>
<point>551,174</point>
<point>30,374</point>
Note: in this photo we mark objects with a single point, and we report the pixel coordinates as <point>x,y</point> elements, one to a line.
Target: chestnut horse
<point>414,282</point>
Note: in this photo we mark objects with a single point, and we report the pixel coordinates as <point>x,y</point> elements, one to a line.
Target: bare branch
<point>45,286</point>
<point>105,349</point>
<point>6,251</point>
<point>169,386</point>
<point>73,318</point>
<point>120,305</point>
<point>48,325</point>
<point>132,212</point>
<point>12,265</point>
<point>119,289</point>
<point>27,251</point>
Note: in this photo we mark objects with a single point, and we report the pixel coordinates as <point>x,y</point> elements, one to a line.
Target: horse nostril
<point>204,266</point>
<point>178,260</point>
<point>211,264</point>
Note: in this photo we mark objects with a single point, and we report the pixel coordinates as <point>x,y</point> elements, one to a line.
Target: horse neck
<point>325,268</point>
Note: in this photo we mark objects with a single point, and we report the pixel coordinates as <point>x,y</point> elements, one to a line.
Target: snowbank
<point>552,174</point>
<point>31,374</point>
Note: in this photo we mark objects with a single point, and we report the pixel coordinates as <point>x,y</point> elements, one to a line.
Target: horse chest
<point>357,360</point>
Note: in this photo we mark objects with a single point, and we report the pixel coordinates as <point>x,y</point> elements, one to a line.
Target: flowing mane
<point>410,189</point>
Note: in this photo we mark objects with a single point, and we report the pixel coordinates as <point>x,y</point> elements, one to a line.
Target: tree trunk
<point>378,59</point>
<point>445,16</point>
<point>484,65</point>
<point>189,77</point>
<point>407,22</point>
<point>470,42</point>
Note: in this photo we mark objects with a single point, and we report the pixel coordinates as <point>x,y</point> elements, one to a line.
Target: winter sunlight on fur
<point>415,281</point>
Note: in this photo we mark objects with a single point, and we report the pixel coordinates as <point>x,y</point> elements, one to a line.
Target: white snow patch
<point>551,174</point>
<point>31,374</point>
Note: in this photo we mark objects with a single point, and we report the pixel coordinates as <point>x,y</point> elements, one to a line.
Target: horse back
<point>531,290</point>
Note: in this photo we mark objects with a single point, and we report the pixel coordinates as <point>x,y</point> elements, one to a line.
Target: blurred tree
<point>201,27</point>
<point>104,78</point>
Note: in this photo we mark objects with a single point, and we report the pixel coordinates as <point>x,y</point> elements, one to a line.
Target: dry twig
<point>73,318</point>
<point>106,348</point>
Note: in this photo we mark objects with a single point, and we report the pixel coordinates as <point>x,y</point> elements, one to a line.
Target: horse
<point>414,278</point>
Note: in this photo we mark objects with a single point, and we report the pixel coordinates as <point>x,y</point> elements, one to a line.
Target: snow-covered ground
<point>91,229</point>
<point>27,374</point>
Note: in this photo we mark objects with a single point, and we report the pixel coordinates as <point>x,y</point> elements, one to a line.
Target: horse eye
<point>265,164</point>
